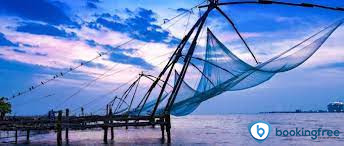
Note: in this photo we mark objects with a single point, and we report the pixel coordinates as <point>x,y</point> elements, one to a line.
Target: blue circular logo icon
<point>259,130</point>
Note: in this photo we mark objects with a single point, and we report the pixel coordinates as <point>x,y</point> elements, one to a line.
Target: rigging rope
<point>87,85</point>
<point>61,74</point>
<point>306,5</point>
<point>131,79</point>
<point>108,93</point>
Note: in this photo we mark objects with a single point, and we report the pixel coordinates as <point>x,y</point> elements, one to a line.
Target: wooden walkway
<point>64,122</point>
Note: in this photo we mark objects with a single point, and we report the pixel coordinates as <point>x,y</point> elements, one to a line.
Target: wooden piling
<point>59,129</point>
<point>105,126</point>
<point>111,121</point>
<point>64,121</point>
<point>153,121</point>
<point>105,134</point>
<point>82,111</point>
<point>16,137</point>
<point>112,133</point>
<point>162,127</point>
<point>168,128</point>
<point>28,136</point>
<point>82,114</point>
<point>67,126</point>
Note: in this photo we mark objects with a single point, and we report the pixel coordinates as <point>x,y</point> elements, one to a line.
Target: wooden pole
<point>105,134</point>
<point>105,126</point>
<point>59,129</point>
<point>173,60</point>
<point>168,128</point>
<point>110,115</point>
<point>28,136</point>
<point>82,114</point>
<point>67,126</point>
<point>153,121</point>
<point>16,137</point>
<point>82,111</point>
<point>187,60</point>
<point>162,127</point>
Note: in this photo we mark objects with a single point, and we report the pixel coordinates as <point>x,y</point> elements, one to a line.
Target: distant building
<point>335,107</point>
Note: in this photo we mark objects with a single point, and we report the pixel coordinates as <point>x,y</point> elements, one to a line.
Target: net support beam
<point>187,60</point>
<point>175,60</point>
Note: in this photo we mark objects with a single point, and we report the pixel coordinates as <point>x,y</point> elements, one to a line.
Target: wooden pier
<point>158,112</point>
<point>64,122</point>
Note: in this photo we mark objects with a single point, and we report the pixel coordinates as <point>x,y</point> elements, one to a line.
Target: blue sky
<point>41,38</point>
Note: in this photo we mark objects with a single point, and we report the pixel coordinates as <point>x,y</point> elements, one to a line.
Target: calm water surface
<point>212,130</point>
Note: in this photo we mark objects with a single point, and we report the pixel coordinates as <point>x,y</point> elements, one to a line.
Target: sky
<point>42,38</point>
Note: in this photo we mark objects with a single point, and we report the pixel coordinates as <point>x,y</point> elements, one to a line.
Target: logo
<point>259,130</point>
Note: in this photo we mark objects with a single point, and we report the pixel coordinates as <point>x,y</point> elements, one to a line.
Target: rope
<point>306,5</point>
<point>128,81</point>
<point>61,74</point>
<point>108,93</point>
<point>87,85</point>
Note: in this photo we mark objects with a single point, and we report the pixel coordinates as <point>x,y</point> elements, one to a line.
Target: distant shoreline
<point>298,111</point>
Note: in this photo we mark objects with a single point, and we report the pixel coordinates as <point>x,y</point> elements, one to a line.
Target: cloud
<point>65,52</point>
<point>38,10</point>
<point>8,65</point>
<point>111,24</point>
<point>18,75</point>
<point>5,42</point>
<point>91,64</point>
<point>91,5</point>
<point>25,68</point>
<point>119,55</point>
<point>19,51</point>
<point>125,59</point>
<point>41,54</point>
<point>95,1</point>
<point>181,10</point>
<point>93,43</point>
<point>139,25</point>
<point>44,29</point>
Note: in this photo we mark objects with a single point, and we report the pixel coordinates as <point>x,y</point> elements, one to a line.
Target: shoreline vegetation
<point>5,107</point>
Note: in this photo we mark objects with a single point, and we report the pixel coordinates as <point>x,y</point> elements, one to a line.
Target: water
<point>213,130</point>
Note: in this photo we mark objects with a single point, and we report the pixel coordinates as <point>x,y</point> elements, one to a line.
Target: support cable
<point>61,74</point>
<point>305,5</point>
<point>237,31</point>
